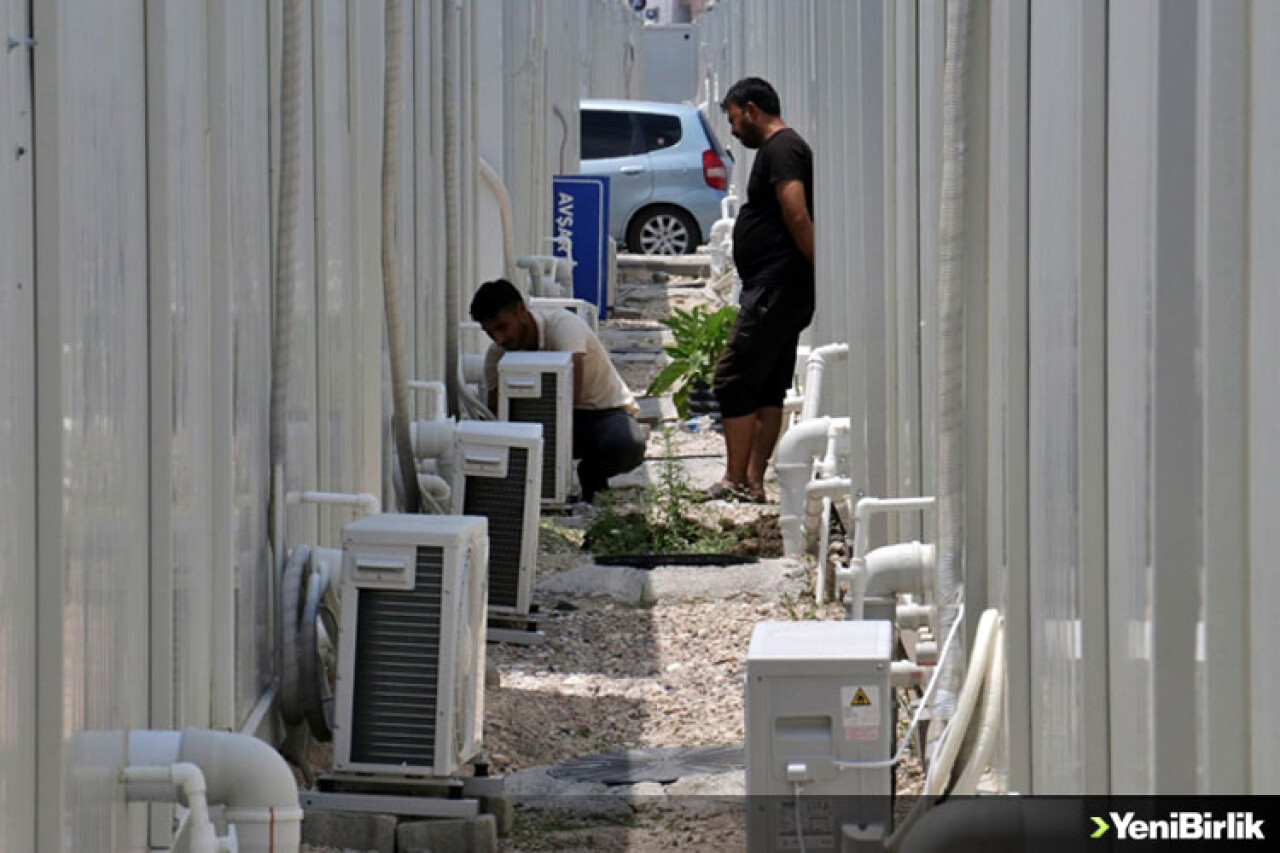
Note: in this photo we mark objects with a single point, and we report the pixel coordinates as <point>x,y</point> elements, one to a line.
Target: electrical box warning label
<point>860,712</point>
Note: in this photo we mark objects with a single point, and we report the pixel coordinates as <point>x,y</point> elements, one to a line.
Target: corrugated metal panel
<point>1263,393</point>
<point>1221,169</point>
<point>1130,215</point>
<point>181,467</point>
<point>240,272</point>
<point>17,446</point>
<point>92,357</point>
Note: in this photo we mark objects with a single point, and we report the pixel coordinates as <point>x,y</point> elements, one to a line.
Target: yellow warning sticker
<point>861,711</point>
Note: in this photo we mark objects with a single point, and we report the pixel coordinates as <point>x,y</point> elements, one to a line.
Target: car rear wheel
<point>662,231</point>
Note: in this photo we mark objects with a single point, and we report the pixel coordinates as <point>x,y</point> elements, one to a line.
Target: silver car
<point>667,172</point>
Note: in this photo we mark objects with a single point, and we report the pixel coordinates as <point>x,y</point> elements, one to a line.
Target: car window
<point>605,134</point>
<point>657,131</point>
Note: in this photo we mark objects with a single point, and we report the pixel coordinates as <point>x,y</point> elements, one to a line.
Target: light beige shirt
<point>560,330</point>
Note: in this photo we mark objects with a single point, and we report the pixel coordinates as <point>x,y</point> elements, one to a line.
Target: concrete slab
<point>656,410</point>
<point>349,830</point>
<point>641,588</point>
<point>637,339</point>
<point>691,265</point>
<point>475,835</point>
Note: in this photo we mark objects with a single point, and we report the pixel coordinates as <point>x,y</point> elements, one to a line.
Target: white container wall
<point>137,235</point>
<point>1119,265</point>
<point>17,447</point>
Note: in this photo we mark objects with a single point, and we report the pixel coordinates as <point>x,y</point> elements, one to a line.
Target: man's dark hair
<point>755,90</point>
<point>492,298</point>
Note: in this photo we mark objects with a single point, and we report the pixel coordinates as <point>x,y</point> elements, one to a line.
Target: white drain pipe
<point>890,570</point>
<point>491,178</point>
<point>142,781</point>
<point>367,504</point>
<point>433,440</point>
<point>815,366</point>
<point>245,776</point>
<point>979,666</point>
<point>796,453</point>
<point>437,395</point>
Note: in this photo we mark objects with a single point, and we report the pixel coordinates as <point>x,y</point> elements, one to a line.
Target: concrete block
<point>475,835</point>
<point>350,830</point>
<point>503,811</point>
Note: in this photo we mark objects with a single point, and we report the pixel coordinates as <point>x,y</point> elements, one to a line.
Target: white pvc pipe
<point>438,396</point>
<point>911,616</point>
<point>729,206</point>
<point>992,712</point>
<point>815,366</point>
<point>436,487</point>
<point>949,745</point>
<point>367,503</point>
<point>867,506</point>
<point>244,775</point>
<point>432,439</point>
<point>904,673</point>
<point>140,782</point>
<point>494,182</point>
<point>889,570</point>
<point>796,452</point>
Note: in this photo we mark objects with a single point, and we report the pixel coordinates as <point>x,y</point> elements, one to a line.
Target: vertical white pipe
<point>390,281</point>
<point>950,396</point>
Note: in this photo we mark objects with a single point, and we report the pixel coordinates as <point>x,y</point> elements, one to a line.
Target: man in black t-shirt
<point>773,252</point>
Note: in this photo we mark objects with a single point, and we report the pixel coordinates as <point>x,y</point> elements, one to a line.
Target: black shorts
<point>758,363</point>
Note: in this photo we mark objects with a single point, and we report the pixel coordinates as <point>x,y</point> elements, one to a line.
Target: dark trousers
<point>607,442</point>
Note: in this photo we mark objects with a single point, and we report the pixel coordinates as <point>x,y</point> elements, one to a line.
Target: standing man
<point>773,251</point>
<point>606,437</point>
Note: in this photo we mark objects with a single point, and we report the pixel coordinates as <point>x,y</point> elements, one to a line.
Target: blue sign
<point>580,224</point>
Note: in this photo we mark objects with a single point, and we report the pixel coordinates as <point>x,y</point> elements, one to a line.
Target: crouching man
<point>606,437</point>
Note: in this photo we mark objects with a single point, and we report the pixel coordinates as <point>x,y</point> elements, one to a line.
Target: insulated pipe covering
<point>950,395</point>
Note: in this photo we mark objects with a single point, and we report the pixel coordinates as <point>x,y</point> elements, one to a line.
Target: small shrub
<point>700,337</point>
<point>657,519</point>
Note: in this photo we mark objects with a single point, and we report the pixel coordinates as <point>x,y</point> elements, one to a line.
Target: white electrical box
<point>537,387</point>
<point>818,693</point>
<point>410,694</point>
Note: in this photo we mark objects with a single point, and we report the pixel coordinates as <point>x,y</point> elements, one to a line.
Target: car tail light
<point>713,171</point>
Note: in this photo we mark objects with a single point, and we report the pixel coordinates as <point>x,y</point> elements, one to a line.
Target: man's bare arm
<point>795,213</point>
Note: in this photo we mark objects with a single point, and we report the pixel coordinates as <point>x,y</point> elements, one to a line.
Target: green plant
<point>700,336</point>
<point>657,519</point>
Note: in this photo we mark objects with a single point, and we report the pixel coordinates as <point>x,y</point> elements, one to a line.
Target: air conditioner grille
<point>393,718</point>
<point>503,502</point>
<point>541,410</point>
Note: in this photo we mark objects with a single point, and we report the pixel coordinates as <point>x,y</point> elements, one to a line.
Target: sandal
<point>722,491</point>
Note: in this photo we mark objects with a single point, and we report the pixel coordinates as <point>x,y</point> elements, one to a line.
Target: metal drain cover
<point>663,765</point>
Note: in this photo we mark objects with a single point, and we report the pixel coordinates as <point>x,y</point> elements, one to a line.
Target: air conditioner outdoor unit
<point>818,694</point>
<point>537,387</point>
<point>584,310</point>
<point>497,473</point>
<point>410,694</point>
